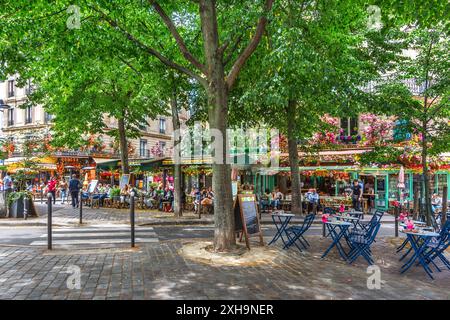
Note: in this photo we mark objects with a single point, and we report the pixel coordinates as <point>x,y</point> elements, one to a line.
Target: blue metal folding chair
<point>295,233</point>
<point>361,245</point>
<point>365,227</point>
<point>436,249</point>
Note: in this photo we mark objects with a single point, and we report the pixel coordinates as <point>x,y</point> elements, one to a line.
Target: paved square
<point>157,271</point>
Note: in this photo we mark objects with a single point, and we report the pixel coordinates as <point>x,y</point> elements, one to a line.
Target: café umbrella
<point>401,186</point>
<point>401,178</point>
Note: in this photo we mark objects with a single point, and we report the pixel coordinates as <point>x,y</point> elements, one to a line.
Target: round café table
<point>337,230</point>
<point>281,221</point>
<point>419,242</point>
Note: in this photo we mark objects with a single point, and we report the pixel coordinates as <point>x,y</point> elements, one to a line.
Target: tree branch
<point>239,63</point>
<point>150,50</point>
<point>180,42</point>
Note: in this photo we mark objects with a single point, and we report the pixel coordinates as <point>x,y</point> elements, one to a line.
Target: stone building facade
<point>19,124</point>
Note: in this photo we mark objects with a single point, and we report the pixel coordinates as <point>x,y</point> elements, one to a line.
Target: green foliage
<point>381,155</point>
<point>15,196</point>
<point>115,192</point>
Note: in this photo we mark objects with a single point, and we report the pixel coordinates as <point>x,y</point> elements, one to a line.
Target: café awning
<point>151,163</point>
<point>106,164</point>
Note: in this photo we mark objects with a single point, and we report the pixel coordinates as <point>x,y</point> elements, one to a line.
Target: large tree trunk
<point>217,91</point>
<point>123,146</point>
<point>293,158</point>
<point>177,205</point>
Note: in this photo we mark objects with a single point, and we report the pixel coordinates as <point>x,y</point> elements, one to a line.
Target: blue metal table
<point>281,221</point>
<point>419,242</point>
<point>336,235</point>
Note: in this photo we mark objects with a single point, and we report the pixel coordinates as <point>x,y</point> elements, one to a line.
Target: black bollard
<point>42,194</point>
<point>397,209</point>
<point>49,221</point>
<point>81,207</point>
<point>323,230</point>
<point>132,218</point>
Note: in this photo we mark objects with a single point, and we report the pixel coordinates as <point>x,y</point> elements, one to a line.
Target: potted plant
<point>20,202</point>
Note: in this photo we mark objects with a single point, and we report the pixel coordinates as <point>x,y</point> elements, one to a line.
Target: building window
<point>349,126</point>
<point>10,117</point>
<point>143,152</point>
<point>162,145</point>
<point>143,125</point>
<point>162,125</point>
<point>29,88</point>
<point>48,117</point>
<point>11,88</point>
<point>28,114</point>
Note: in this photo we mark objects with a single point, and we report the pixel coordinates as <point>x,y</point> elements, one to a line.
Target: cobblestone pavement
<point>157,271</point>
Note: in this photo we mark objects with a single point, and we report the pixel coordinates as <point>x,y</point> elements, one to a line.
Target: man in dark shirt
<point>74,188</point>
<point>356,195</point>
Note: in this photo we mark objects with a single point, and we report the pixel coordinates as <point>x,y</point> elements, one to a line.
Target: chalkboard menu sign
<point>246,218</point>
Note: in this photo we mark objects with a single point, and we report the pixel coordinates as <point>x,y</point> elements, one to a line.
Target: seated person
<point>84,193</point>
<point>312,198</point>
<point>436,203</point>
<point>197,198</point>
<point>277,196</point>
<point>266,199</point>
<point>150,198</point>
<point>207,200</point>
<point>124,193</point>
<point>167,197</point>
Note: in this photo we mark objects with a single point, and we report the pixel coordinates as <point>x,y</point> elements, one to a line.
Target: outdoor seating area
<point>353,238</point>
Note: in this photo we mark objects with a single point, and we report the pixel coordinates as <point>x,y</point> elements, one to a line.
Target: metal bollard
<point>396,221</point>
<point>323,230</point>
<point>42,195</point>
<point>132,219</point>
<point>81,207</point>
<point>49,221</point>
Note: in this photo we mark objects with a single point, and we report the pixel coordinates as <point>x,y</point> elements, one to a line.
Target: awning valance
<point>106,164</point>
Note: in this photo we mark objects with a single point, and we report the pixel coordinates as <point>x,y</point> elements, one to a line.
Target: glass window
<point>28,114</point>
<point>11,88</point>
<point>10,117</point>
<point>349,126</point>
<point>162,125</point>
<point>162,144</point>
<point>143,148</point>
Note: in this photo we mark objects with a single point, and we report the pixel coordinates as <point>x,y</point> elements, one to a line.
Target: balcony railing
<point>414,87</point>
<point>144,153</point>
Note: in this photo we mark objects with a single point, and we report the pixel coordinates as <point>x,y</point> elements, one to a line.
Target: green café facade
<point>384,181</point>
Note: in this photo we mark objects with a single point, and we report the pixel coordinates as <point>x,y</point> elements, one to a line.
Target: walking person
<point>356,195</point>
<point>52,188</point>
<point>63,189</point>
<point>8,188</point>
<point>74,189</point>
